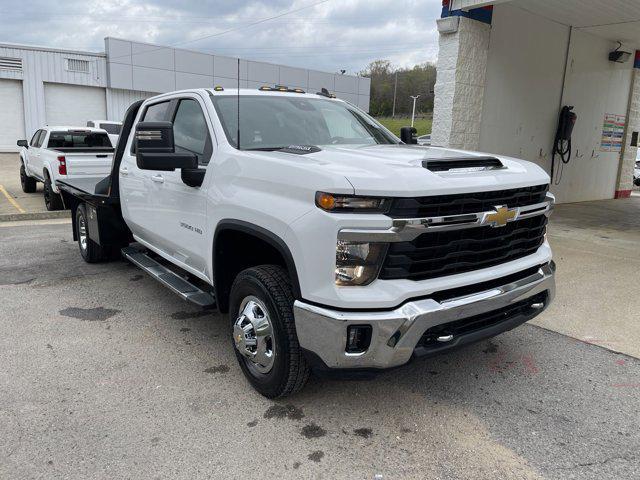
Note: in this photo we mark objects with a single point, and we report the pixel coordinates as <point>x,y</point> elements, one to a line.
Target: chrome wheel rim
<point>82,233</point>
<point>253,336</point>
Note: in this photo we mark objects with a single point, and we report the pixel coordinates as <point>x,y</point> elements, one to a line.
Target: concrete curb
<point>14,217</point>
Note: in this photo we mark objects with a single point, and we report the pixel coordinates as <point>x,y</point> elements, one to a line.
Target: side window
<point>91,124</point>
<point>156,112</point>
<point>34,140</point>
<point>43,133</point>
<point>190,131</point>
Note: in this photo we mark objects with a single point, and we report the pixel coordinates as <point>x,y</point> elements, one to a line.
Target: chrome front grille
<point>459,204</point>
<point>446,235</point>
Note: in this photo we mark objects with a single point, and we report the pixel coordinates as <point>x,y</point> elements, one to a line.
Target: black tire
<point>28,183</point>
<point>91,252</point>
<point>637,182</point>
<point>52,200</point>
<point>271,285</point>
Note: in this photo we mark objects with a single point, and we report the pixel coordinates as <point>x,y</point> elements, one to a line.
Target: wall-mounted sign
<point>612,132</point>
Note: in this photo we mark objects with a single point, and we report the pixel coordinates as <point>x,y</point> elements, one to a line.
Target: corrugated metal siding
<point>39,66</point>
<point>118,101</point>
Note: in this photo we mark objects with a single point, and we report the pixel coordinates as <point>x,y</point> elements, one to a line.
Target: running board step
<point>168,278</point>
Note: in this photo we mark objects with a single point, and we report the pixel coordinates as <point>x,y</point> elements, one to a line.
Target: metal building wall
<point>40,65</point>
<point>130,71</point>
<point>118,101</point>
<point>156,68</point>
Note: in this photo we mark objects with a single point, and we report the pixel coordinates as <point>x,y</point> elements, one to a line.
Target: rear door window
<point>156,112</point>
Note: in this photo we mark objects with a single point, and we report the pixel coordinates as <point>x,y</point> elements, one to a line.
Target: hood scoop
<point>463,164</point>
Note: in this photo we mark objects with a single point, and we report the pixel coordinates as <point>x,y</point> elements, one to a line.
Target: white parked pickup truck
<point>56,153</point>
<point>112,128</point>
<point>332,245</point>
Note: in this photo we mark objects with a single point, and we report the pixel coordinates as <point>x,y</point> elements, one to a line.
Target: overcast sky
<point>329,35</point>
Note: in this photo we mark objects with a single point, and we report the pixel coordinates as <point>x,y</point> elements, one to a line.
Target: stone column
<point>459,89</point>
<point>624,183</point>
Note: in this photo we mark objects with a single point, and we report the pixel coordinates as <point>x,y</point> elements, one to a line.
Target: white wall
<point>595,86</point>
<point>523,84</point>
<point>522,98</point>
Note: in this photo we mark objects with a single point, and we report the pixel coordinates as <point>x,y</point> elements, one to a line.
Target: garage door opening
<point>73,105</point>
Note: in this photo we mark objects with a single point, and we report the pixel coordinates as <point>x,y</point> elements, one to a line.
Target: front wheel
<point>28,183</point>
<point>52,200</point>
<point>264,333</point>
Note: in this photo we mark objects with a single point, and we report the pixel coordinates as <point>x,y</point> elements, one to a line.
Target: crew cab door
<point>138,209</point>
<point>171,217</point>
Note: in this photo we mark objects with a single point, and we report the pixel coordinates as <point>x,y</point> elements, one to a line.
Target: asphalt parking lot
<point>14,203</point>
<point>107,375</point>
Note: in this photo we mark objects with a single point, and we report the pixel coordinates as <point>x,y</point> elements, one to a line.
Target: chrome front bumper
<point>395,333</point>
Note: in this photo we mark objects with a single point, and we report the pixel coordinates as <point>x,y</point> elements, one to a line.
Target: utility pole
<point>413,113</point>
<point>395,89</point>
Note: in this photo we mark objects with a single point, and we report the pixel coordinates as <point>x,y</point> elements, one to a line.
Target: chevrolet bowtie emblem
<point>501,217</point>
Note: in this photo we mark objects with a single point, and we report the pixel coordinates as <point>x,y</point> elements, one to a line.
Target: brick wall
<point>459,89</point>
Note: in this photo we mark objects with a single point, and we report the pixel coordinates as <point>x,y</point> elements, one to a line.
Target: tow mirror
<point>408,135</point>
<point>155,149</point>
<point>23,143</point>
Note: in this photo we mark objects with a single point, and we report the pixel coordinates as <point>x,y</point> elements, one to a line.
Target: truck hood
<point>397,170</point>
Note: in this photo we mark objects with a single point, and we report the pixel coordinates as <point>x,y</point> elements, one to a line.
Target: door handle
<point>124,171</point>
<point>158,178</point>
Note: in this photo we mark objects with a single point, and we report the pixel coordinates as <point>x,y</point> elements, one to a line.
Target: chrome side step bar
<point>168,278</point>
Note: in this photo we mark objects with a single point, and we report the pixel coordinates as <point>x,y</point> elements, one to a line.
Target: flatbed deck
<point>85,188</point>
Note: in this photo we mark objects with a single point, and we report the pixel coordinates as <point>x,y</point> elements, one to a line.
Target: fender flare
<point>268,237</point>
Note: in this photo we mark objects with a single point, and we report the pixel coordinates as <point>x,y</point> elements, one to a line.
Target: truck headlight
<point>358,263</point>
<point>351,203</point>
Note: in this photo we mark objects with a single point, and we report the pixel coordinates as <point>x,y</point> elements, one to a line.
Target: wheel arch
<point>226,239</point>
<point>46,172</point>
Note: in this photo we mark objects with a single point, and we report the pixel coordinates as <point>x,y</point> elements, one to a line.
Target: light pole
<point>395,89</point>
<point>413,113</point>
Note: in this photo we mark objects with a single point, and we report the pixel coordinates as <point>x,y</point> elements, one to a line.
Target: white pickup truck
<point>56,153</point>
<point>333,245</point>
<point>112,128</point>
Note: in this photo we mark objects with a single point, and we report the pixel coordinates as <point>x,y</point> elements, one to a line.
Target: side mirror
<point>23,143</point>
<point>408,135</point>
<point>155,149</point>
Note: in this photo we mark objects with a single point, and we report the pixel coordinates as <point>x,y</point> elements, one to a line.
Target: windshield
<point>111,128</point>
<point>274,122</point>
<point>78,139</point>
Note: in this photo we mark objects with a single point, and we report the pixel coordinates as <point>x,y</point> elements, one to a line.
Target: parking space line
<point>12,200</point>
